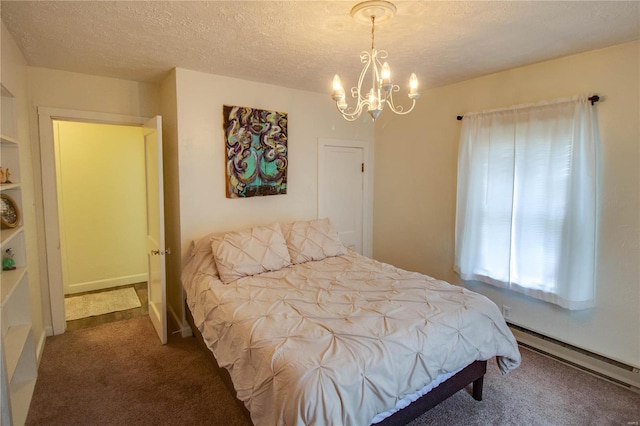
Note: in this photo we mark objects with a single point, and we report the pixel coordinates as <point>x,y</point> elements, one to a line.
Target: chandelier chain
<point>373,25</point>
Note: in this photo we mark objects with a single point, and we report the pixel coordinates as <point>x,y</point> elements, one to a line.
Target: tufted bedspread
<point>337,341</point>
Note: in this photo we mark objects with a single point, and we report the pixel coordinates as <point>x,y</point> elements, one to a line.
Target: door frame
<point>50,196</point>
<point>367,190</point>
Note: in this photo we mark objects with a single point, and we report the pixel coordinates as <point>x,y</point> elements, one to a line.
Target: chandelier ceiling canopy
<point>381,91</point>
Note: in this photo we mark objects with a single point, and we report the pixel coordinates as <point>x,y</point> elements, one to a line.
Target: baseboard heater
<point>614,371</point>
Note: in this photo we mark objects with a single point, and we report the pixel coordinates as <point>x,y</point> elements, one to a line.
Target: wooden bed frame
<point>472,374</point>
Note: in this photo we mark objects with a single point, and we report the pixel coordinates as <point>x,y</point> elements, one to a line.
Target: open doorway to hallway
<point>155,248</point>
<point>100,177</point>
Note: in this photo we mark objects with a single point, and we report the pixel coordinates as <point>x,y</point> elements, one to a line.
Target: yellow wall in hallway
<point>101,203</point>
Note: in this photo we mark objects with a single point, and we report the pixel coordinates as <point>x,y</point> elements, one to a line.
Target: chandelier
<point>381,92</point>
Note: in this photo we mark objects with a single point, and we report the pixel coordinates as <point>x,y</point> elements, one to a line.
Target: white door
<point>156,284</point>
<point>341,180</point>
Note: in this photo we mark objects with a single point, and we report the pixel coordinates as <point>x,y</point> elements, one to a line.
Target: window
<point>526,203</point>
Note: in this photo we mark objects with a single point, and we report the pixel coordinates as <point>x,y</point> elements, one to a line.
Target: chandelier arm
<point>375,87</point>
<point>349,115</point>
<point>383,54</point>
<point>398,109</point>
<point>353,112</point>
<point>357,110</point>
<point>377,77</point>
<point>370,60</point>
<point>376,73</point>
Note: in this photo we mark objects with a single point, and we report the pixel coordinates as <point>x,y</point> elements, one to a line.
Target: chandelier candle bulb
<point>338,90</point>
<point>413,87</point>
<point>372,100</point>
<point>380,95</point>
<point>385,74</point>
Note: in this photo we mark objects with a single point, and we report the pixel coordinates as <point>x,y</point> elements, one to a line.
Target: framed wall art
<point>256,151</point>
<point>9,212</point>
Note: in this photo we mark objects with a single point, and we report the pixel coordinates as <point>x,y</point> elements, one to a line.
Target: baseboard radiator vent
<point>614,371</point>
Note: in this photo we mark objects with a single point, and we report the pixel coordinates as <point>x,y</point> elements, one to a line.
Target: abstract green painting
<point>256,151</point>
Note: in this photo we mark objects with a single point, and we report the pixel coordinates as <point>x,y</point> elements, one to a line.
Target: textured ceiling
<point>301,44</point>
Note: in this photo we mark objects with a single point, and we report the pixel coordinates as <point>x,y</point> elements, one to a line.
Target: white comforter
<point>337,341</point>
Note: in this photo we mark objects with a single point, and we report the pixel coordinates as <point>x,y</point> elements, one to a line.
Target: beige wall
<point>172,196</point>
<point>70,90</point>
<point>13,74</point>
<point>203,205</point>
<point>101,204</point>
<point>415,190</point>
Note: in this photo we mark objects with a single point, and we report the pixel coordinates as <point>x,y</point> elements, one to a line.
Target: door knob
<point>160,252</point>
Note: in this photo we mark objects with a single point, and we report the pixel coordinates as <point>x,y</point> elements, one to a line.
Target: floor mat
<point>88,305</point>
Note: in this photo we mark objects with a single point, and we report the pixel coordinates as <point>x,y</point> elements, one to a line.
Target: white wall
<point>13,74</point>
<point>68,90</point>
<point>203,205</point>
<point>415,190</point>
<point>101,204</point>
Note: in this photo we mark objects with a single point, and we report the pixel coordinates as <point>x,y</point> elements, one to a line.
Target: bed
<point>313,333</point>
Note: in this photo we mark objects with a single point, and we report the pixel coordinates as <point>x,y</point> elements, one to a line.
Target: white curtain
<point>526,215</point>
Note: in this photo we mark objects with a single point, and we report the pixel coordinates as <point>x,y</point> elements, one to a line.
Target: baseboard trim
<point>108,283</point>
<point>181,324</point>
<point>594,364</point>
<point>40,346</point>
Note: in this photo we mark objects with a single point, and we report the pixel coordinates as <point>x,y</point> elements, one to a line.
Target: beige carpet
<point>92,304</point>
<point>120,374</point>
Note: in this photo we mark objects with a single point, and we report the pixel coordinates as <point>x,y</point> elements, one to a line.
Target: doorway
<point>100,180</point>
<point>153,234</point>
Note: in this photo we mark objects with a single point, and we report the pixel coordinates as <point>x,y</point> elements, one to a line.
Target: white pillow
<point>313,240</point>
<point>249,252</point>
<point>201,261</point>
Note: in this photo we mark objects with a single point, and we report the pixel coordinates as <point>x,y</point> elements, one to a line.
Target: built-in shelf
<point>6,235</point>
<point>21,393</point>
<point>10,280</point>
<point>7,186</point>
<point>18,365</point>
<point>8,140</point>
<point>15,342</point>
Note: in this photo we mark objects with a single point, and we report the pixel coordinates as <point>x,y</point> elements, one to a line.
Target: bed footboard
<point>473,373</point>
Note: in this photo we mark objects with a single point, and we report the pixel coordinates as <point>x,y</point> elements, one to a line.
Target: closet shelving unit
<point>17,346</point>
